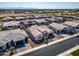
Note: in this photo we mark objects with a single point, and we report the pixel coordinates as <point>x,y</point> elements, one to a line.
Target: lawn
<point>75,53</point>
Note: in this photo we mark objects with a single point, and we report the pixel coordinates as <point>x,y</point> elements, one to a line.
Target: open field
<point>6,15</point>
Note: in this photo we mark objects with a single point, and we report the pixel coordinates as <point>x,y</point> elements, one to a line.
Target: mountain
<point>17,8</point>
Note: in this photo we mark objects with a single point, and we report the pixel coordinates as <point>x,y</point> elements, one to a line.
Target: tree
<point>1,24</point>
<point>12,51</point>
<point>45,39</point>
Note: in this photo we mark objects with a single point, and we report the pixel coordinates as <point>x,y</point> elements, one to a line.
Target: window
<point>1,48</point>
<point>19,42</point>
<point>40,37</point>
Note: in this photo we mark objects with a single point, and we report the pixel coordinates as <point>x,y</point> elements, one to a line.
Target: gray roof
<point>43,28</point>
<point>69,19</point>
<point>10,23</point>
<point>15,36</point>
<point>26,21</point>
<point>20,17</point>
<point>59,18</point>
<point>34,31</point>
<point>51,19</point>
<point>40,20</point>
<point>6,18</point>
<point>2,39</point>
<point>71,23</point>
<point>57,26</point>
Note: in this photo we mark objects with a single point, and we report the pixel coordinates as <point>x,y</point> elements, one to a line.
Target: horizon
<point>39,5</point>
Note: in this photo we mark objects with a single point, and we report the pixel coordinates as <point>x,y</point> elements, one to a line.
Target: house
<point>28,22</point>
<point>31,22</point>
<point>58,18</point>
<point>24,22</point>
<point>77,17</point>
<point>37,16</point>
<point>68,17</point>
<point>6,19</point>
<point>51,20</point>
<point>41,21</point>
<point>72,24</point>
<point>30,17</point>
<point>61,29</point>
<point>46,31</point>
<point>18,39</point>
<point>35,35</point>
<point>9,38</point>
<point>18,18</point>
<point>10,25</point>
<point>55,19</point>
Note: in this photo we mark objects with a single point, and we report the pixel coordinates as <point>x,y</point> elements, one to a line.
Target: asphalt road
<point>55,49</point>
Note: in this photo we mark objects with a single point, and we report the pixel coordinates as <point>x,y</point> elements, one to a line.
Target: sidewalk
<point>45,45</point>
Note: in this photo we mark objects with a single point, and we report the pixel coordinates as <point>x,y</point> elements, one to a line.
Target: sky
<point>40,5</point>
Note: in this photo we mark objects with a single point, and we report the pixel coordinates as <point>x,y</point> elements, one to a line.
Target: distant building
<point>77,17</point>
<point>41,21</point>
<point>58,18</point>
<point>10,25</point>
<point>6,19</point>
<point>28,22</point>
<point>20,18</point>
<point>51,20</point>
<point>68,17</point>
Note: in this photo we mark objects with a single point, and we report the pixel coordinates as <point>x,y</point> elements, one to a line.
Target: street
<point>55,49</point>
